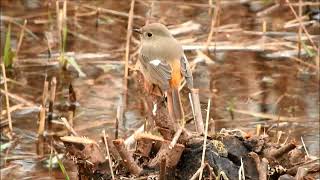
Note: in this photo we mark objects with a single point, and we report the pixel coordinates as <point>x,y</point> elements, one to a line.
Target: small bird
<point>164,64</point>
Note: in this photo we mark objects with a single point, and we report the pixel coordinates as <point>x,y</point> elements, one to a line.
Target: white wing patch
<point>155,62</point>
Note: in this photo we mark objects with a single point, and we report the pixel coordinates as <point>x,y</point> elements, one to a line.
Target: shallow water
<point>240,80</point>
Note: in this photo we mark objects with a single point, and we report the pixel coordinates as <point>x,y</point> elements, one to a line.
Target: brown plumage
<point>164,64</point>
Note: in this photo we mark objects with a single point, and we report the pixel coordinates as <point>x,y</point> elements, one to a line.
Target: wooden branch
<point>127,158</point>
<point>262,166</point>
<point>172,155</point>
<point>277,153</point>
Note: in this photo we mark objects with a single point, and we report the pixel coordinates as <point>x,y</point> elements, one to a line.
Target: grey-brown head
<point>153,32</point>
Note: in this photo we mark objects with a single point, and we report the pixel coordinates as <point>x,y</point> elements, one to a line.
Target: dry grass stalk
<point>12,108</point>
<point>195,175</point>
<point>214,22</point>
<point>301,25</point>
<point>127,53</point>
<point>21,38</point>
<point>53,86</point>
<point>108,153</point>
<point>17,98</point>
<point>241,171</point>
<point>258,129</point>
<point>305,63</point>
<point>131,139</point>
<point>68,126</point>
<point>305,148</point>
<point>205,139</point>
<point>183,3</point>
<point>300,29</point>
<point>42,120</point>
<point>7,97</point>
<point>195,103</point>
<point>45,93</point>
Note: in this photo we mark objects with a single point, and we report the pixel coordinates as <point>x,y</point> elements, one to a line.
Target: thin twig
<point>305,148</point>
<point>21,37</point>
<point>213,23</point>
<point>17,98</point>
<point>7,97</point>
<point>127,53</point>
<point>108,153</point>
<point>205,138</point>
<point>175,138</point>
<point>68,126</point>
<point>300,29</point>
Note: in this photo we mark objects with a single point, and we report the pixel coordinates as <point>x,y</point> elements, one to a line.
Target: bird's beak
<point>137,31</point>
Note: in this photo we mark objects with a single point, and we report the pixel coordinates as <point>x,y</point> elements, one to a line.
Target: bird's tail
<point>175,106</point>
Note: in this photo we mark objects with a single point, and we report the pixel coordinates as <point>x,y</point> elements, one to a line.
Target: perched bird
<point>164,64</point>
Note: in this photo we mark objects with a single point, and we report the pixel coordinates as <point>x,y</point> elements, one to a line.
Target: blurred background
<point>258,61</point>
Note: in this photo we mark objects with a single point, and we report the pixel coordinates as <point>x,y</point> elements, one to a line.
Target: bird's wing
<point>159,71</point>
<point>186,71</point>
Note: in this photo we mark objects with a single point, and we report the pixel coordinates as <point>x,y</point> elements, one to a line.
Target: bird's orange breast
<point>175,74</point>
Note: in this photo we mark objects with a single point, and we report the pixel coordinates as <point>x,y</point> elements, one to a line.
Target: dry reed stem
<point>7,97</point>
<point>52,96</point>
<point>300,29</point>
<point>305,63</point>
<point>12,108</point>
<point>301,24</point>
<point>213,23</point>
<point>200,5</point>
<point>305,148</point>
<point>131,139</point>
<point>42,120</point>
<point>21,38</point>
<point>45,93</point>
<point>205,139</point>
<point>108,153</point>
<point>68,126</point>
<point>127,53</point>
<point>197,173</point>
<point>13,21</point>
<point>195,103</point>
<point>17,98</point>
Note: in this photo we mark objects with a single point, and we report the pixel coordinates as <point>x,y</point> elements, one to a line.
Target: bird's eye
<point>149,34</point>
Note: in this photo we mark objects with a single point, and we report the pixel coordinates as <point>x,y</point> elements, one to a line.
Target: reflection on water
<point>235,80</point>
